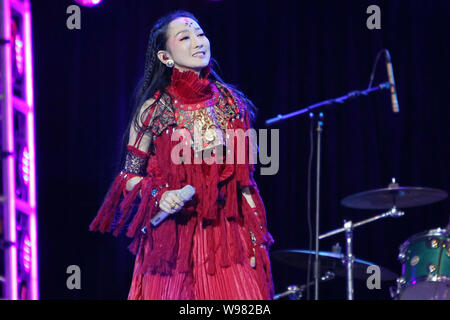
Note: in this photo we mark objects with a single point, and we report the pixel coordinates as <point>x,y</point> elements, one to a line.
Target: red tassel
<point>147,199</point>
<point>227,172</point>
<point>244,171</point>
<point>104,218</point>
<point>267,268</point>
<point>162,258</point>
<point>134,245</point>
<point>224,259</point>
<point>211,264</point>
<point>185,242</point>
<point>160,248</point>
<point>236,246</point>
<point>264,285</point>
<point>231,202</point>
<point>125,206</point>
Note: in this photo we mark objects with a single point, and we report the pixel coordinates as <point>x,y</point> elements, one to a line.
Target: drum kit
<point>425,257</point>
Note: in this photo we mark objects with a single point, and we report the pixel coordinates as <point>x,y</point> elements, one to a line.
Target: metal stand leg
<point>316,260</point>
<point>349,259</point>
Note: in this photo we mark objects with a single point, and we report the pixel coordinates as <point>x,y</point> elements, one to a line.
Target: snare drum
<point>425,259</point>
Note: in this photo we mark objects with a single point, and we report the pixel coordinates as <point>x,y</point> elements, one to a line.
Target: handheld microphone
<point>390,71</point>
<point>186,193</point>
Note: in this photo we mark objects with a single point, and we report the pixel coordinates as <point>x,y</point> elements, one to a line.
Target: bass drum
<point>425,259</point>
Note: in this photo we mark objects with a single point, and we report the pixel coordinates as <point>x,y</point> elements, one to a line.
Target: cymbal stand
<point>348,228</point>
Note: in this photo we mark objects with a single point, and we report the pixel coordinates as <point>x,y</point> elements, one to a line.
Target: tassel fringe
<point>104,218</point>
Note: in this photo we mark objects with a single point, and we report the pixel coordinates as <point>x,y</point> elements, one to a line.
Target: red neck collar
<point>188,87</point>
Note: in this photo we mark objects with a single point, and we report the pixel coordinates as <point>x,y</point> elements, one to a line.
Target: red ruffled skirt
<point>236,282</point>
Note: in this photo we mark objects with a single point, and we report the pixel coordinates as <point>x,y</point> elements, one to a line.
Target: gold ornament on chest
<point>207,131</point>
<point>207,123</point>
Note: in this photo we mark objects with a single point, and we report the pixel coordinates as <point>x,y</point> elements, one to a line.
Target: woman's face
<point>187,45</point>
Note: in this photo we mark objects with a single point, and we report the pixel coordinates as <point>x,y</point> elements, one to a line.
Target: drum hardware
<point>329,261</point>
<point>294,292</point>
<point>349,258</point>
<point>393,197</point>
<point>394,291</point>
<point>425,263</point>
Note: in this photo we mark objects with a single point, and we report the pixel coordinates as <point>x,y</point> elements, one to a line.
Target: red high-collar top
<point>218,197</point>
<point>187,87</point>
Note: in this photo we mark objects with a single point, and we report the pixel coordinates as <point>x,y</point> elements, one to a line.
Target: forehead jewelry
<point>188,23</point>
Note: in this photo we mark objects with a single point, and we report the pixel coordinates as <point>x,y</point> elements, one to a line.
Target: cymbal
<point>329,261</point>
<point>394,195</point>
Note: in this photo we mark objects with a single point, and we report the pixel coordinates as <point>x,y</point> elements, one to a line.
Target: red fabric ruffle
<point>188,87</point>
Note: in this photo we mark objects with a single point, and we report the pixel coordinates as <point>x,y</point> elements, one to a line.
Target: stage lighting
<point>25,166</point>
<point>26,253</point>
<point>88,3</point>
<point>18,53</point>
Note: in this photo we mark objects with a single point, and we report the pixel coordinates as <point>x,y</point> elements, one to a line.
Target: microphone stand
<point>340,100</point>
<point>316,256</point>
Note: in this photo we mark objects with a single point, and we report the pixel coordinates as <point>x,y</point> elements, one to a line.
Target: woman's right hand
<point>168,198</point>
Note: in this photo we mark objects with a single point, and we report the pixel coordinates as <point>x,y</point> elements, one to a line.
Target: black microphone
<point>390,71</point>
<point>186,193</point>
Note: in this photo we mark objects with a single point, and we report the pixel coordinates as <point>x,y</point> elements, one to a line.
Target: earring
<point>170,63</point>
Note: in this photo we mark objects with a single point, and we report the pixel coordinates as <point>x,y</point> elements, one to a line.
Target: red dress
<point>216,246</point>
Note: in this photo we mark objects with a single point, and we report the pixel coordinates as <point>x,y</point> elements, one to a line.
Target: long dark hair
<point>157,77</point>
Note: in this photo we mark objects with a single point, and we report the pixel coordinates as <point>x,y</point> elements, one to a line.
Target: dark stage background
<point>284,55</point>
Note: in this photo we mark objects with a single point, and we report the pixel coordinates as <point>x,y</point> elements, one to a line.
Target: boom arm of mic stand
<point>340,100</point>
